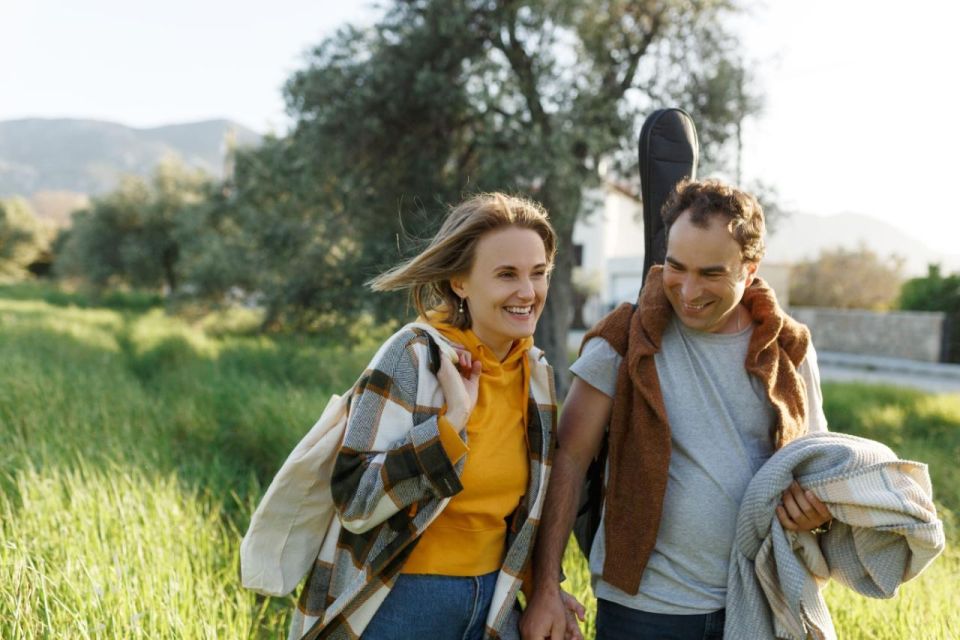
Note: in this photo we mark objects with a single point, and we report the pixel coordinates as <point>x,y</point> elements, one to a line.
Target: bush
<point>845,279</point>
<point>22,239</point>
<point>936,292</point>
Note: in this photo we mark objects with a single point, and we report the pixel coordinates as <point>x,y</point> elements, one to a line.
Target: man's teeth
<point>519,310</point>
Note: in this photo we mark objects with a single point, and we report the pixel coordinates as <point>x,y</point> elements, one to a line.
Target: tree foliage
<point>391,124</point>
<point>22,238</point>
<point>277,232</point>
<point>937,292</point>
<point>130,236</point>
<point>933,292</point>
<point>847,279</point>
<point>442,99</point>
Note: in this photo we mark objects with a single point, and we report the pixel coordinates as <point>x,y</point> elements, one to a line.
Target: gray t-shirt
<point>720,422</point>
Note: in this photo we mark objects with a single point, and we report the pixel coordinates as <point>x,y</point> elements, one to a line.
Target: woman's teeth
<point>520,311</point>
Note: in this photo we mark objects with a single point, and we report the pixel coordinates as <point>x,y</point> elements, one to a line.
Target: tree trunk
<point>551,334</point>
<point>169,272</point>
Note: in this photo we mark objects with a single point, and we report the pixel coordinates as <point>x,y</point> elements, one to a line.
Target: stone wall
<point>916,335</point>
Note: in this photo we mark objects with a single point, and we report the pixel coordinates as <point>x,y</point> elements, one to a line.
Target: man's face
<point>704,275</point>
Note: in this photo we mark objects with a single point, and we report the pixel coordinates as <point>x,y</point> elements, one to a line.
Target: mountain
<point>87,157</point>
<point>802,236</point>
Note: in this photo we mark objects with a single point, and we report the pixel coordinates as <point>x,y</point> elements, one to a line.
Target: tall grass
<point>119,553</point>
<point>133,448</point>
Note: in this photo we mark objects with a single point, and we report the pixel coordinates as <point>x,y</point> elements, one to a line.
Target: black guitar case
<point>669,152</point>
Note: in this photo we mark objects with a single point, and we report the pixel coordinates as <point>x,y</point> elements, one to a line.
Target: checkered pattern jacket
<point>391,479</point>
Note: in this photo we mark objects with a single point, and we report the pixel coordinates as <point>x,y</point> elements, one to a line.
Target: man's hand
<point>801,510</point>
<point>546,616</point>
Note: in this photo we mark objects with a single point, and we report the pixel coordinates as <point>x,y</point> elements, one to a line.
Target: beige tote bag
<point>297,513</point>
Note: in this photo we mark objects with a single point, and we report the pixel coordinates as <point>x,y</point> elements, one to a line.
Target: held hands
<point>460,384</point>
<point>801,510</point>
<point>552,615</point>
<point>574,611</point>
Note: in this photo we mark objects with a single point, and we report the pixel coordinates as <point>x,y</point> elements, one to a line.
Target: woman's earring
<point>461,305</point>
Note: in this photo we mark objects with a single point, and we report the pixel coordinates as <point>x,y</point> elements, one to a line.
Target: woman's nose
<point>527,289</point>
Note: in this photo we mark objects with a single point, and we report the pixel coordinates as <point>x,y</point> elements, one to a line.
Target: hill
<point>802,236</point>
<point>89,156</point>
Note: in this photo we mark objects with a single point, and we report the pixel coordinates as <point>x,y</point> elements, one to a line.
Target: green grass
<point>58,296</point>
<point>134,446</point>
<point>132,451</point>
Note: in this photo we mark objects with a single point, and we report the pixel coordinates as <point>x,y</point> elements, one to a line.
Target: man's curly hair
<point>707,198</point>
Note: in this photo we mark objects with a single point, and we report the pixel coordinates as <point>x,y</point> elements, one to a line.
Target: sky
<point>860,96</point>
<point>153,63</point>
<point>862,102</point>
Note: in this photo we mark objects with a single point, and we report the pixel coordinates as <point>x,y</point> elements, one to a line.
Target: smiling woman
<point>506,287</point>
<point>440,478</point>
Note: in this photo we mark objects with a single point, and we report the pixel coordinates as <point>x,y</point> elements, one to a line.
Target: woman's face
<point>506,287</point>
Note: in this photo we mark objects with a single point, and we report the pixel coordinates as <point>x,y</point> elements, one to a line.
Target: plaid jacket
<point>392,477</point>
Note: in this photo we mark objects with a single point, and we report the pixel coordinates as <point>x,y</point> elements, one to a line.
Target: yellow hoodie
<point>468,538</point>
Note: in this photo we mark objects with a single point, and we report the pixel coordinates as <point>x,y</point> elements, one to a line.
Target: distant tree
<point>445,98</point>
<point>278,233</point>
<point>22,238</point>
<point>932,292</point>
<point>847,279</point>
<point>937,292</point>
<point>129,236</point>
<point>769,197</point>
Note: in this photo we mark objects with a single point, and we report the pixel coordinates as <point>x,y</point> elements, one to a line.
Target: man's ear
<point>751,271</point>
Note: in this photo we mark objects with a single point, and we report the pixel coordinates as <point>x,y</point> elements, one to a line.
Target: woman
<point>440,477</point>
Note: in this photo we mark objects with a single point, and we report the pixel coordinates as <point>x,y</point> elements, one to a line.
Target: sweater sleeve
<point>392,455</point>
<point>810,372</point>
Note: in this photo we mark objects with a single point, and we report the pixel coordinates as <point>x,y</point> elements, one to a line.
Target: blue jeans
<point>429,607</point>
<point>616,622</point>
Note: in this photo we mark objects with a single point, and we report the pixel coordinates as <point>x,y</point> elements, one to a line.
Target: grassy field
<point>133,448</point>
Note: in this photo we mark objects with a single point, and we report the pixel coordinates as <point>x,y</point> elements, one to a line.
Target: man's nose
<point>690,289</point>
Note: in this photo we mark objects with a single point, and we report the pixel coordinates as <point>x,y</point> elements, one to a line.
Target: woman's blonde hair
<point>451,252</point>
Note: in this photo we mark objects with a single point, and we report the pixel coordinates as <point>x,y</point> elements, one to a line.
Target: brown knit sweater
<point>639,445</point>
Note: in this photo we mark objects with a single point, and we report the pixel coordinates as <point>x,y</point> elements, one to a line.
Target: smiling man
<point>694,387</point>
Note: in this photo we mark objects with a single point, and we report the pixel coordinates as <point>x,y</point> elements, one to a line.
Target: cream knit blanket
<point>885,532</point>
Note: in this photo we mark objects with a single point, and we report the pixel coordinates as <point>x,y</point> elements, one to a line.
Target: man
<point>699,384</point>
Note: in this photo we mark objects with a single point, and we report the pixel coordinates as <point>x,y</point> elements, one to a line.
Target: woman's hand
<point>552,614</point>
<point>460,384</point>
<point>575,611</point>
